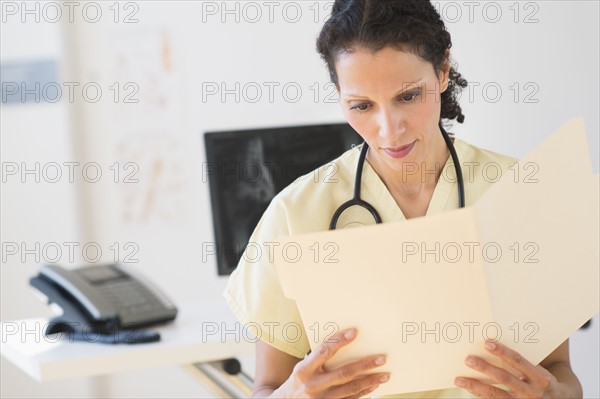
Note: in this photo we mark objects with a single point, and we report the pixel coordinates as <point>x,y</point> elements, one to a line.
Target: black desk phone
<point>106,303</point>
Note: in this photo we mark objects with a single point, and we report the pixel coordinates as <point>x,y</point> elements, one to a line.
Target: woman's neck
<point>415,183</point>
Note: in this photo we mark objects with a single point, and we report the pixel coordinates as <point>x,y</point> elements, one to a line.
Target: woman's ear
<point>445,72</point>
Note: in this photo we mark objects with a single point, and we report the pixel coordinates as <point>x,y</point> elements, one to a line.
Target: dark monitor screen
<point>247,168</point>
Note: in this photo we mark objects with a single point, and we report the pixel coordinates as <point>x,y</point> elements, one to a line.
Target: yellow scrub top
<point>253,291</point>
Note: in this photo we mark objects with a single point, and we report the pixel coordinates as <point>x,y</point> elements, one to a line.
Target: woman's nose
<point>391,124</point>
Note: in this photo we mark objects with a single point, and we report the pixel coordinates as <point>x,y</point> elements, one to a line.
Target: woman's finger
<point>363,393</point>
<point>349,371</point>
<point>515,360</point>
<point>357,386</point>
<point>316,360</point>
<point>497,374</point>
<point>480,389</point>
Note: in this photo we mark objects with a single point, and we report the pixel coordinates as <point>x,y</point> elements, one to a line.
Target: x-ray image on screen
<point>247,168</point>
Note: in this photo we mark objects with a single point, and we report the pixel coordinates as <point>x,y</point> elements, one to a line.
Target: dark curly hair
<point>409,25</point>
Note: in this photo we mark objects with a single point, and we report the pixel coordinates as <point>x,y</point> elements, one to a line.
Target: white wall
<point>33,212</point>
<point>557,56</point>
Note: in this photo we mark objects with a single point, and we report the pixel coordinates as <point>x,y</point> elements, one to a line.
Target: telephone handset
<point>108,301</point>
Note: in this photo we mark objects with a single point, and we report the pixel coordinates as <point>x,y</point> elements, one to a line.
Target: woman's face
<point>393,100</point>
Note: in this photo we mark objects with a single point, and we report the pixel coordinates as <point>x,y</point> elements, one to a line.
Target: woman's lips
<point>399,152</point>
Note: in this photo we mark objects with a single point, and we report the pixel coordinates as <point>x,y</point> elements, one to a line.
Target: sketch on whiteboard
<point>145,120</point>
<point>146,102</point>
<point>156,195</point>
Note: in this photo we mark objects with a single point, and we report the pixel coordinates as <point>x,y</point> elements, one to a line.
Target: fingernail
<point>459,382</point>
<point>350,333</point>
<point>490,345</point>
<point>384,378</point>
<point>380,360</point>
<point>470,361</point>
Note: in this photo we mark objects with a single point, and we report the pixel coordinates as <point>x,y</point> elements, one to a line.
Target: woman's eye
<point>361,107</point>
<point>409,97</point>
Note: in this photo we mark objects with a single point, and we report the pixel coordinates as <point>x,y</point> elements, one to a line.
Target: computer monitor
<point>245,169</point>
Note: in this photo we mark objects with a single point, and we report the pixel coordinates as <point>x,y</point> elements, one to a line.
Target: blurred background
<point>104,106</point>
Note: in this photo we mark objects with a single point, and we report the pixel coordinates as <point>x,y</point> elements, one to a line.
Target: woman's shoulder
<point>308,203</point>
<point>335,175</point>
<point>481,168</point>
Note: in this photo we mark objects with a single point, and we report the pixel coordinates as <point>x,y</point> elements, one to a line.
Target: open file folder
<point>520,266</point>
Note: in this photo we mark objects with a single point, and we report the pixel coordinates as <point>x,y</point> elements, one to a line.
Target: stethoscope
<point>356,200</point>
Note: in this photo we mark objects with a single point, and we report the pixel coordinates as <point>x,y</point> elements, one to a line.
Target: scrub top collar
<point>376,193</point>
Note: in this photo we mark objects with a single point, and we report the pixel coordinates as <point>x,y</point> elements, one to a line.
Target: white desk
<point>201,333</point>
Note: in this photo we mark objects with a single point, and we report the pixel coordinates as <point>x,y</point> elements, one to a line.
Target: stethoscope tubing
<point>357,201</point>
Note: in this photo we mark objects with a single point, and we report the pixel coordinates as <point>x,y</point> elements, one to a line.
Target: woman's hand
<point>310,379</point>
<point>529,382</point>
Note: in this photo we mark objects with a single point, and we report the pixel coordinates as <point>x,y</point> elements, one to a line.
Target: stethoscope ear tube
<point>457,168</point>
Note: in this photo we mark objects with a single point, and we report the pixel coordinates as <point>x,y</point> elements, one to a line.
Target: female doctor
<point>390,62</point>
